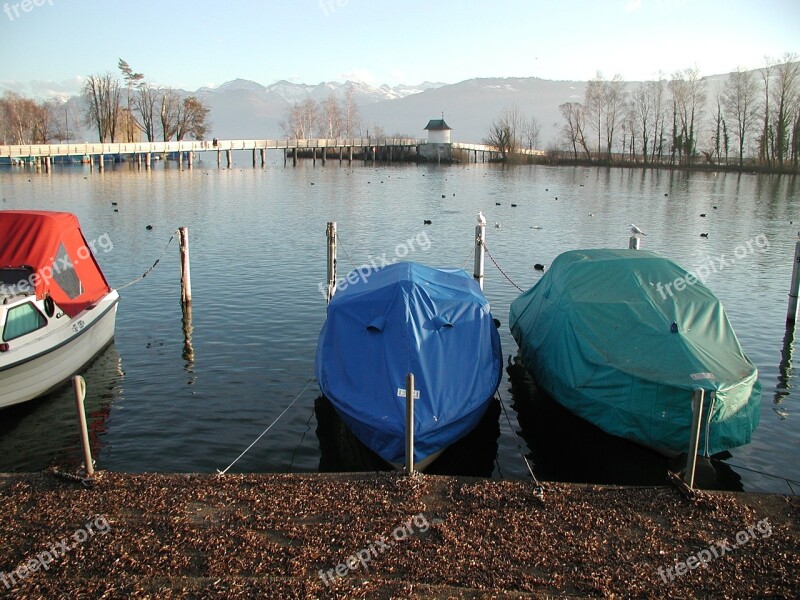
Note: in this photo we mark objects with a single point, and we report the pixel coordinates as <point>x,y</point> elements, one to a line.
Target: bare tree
<point>331,119</point>
<point>170,113</point>
<point>764,141</point>
<point>574,130</point>
<point>719,132</point>
<point>191,119</point>
<point>739,101</point>
<point>642,115</point>
<point>302,120</point>
<point>614,97</point>
<point>785,100</point>
<point>501,137</point>
<point>505,132</point>
<point>144,102</point>
<point>594,106</point>
<point>101,95</point>
<point>350,113</point>
<point>17,114</point>
<point>531,129</point>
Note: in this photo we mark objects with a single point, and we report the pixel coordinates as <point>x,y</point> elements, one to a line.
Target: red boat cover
<point>52,245</point>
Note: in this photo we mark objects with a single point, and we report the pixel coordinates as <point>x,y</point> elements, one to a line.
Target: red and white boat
<point>57,311</point>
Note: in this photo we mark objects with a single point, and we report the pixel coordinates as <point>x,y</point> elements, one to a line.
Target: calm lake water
<point>257,239</point>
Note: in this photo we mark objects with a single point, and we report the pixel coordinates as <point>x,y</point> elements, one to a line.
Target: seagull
<point>635,230</point>
<point>481,218</point>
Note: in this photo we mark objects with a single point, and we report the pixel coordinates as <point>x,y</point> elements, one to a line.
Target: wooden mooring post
<point>409,466</point>
<point>694,438</point>
<point>186,278</point>
<point>79,387</point>
<point>794,288</point>
<point>634,243</point>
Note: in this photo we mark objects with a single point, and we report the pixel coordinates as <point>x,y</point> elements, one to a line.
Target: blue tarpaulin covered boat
<point>622,337</point>
<point>409,318</point>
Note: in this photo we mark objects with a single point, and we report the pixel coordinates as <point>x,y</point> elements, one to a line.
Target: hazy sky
<point>204,42</point>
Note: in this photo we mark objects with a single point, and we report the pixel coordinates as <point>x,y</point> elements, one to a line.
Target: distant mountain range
<point>243,109</point>
<point>246,109</point>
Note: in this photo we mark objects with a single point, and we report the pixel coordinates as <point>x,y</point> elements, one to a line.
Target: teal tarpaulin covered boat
<point>622,337</point>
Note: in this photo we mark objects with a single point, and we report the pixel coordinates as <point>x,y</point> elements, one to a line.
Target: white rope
<point>263,433</point>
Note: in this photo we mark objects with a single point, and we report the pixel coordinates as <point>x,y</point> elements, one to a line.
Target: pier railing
<point>89,149</point>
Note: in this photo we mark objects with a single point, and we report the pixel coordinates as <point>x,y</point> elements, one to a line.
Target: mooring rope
<point>538,491</point>
<point>499,269</point>
<point>302,438</point>
<point>471,253</point>
<point>263,433</point>
<point>339,242</point>
<point>788,481</point>
<point>150,270</point>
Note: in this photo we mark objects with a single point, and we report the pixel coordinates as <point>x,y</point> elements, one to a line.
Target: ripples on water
<point>257,239</point>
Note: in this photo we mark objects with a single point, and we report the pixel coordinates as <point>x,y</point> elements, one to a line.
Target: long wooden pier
<point>389,149</point>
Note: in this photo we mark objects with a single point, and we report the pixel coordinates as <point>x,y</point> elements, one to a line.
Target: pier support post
<point>480,238</point>
<point>254,158</point>
<point>294,157</point>
<point>189,158</point>
<point>263,154</point>
<point>634,243</point>
<point>219,158</point>
<point>323,156</point>
<point>284,157</point>
<point>100,162</point>
<point>228,154</point>
<point>349,155</point>
<point>341,149</point>
<point>694,439</point>
<point>79,387</point>
<point>409,424</point>
<point>794,288</point>
<point>331,233</point>
<point>147,160</point>
<point>186,278</point>
<point>314,156</point>
<point>46,164</point>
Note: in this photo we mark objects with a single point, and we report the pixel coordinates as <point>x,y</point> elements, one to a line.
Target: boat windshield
<point>15,281</point>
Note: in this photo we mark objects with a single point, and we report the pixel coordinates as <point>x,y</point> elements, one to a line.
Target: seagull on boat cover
<point>635,230</point>
<point>481,218</point>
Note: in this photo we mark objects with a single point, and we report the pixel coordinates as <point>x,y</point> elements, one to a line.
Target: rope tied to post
<point>538,490</point>
<point>150,270</point>
<point>263,433</point>
<point>486,248</point>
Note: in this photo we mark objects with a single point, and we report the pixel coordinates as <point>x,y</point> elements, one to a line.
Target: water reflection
<point>784,387</point>
<point>340,451</point>
<point>45,431</point>
<point>566,448</point>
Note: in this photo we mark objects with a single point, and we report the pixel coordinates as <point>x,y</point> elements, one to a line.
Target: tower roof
<point>437,125</point>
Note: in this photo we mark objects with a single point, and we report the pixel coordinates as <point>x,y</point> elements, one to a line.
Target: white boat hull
<point>45,363</point>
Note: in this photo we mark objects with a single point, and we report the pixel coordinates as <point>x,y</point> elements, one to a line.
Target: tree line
<point>754,116</point>
<point>117,110</point>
